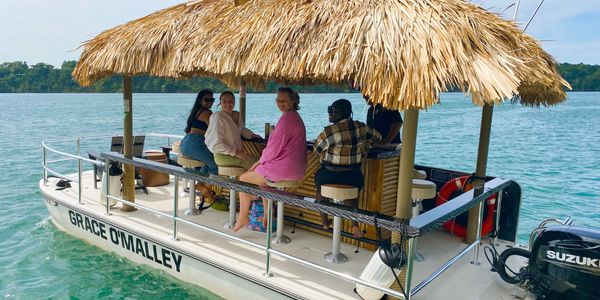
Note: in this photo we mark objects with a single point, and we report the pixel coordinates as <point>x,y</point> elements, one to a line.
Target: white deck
<point>462,281</point>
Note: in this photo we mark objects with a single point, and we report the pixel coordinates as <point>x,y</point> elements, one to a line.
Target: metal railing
<point>418,225</point>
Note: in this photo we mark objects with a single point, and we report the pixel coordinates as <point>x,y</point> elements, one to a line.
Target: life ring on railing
<point>458,225</point>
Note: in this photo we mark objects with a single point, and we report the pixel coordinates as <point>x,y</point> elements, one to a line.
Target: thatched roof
<point>402,53</point>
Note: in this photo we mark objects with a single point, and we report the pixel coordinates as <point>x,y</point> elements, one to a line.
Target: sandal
<point>206,191</point>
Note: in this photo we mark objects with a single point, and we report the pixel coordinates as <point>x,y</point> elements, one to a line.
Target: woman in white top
<point>224,135</point>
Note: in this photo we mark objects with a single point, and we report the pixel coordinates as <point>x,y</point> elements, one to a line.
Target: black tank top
<point>199,124</point>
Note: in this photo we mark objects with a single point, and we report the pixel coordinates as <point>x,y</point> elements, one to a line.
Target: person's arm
<point>278,140</point>
<point>215,137</point>
<point>321,143</point>
<point>372,135</point>
<point>394,130</point>
<point>246,133</point>
<point>205,116</point>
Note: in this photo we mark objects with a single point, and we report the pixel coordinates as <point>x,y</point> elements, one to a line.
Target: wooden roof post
<point>480,170</point>
<point>128,170</point>
<point>243,101</point>
<point>405,176</point>
<point>407,160</point>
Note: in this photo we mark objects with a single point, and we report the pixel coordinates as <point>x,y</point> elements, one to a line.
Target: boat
<point>200,250</point>
<point>159,230</point>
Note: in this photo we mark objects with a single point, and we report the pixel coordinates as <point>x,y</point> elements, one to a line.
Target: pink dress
<point>285,157</point>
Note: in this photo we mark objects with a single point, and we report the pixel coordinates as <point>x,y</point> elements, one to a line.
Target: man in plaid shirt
<point>342,146</point>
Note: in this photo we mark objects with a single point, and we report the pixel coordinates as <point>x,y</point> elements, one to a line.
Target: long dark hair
<point>196,108</point>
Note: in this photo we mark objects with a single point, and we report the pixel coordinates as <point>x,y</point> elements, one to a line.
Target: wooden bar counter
<point>380,170</point>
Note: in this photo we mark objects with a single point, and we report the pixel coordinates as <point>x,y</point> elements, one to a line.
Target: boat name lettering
<point>128,241</point>
<point>573,259</point>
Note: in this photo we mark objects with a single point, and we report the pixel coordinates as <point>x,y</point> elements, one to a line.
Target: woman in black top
<point>193,145</point>
<point>385,121</point>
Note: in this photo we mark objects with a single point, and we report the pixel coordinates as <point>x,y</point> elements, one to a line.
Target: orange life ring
<point>445,194</point>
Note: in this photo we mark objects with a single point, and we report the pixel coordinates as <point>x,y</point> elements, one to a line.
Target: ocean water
<point>554,153</point>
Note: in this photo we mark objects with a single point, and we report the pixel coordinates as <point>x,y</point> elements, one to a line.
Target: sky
<point>49,31</point>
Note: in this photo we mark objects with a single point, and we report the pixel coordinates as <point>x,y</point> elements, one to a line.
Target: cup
<point>267,130</point>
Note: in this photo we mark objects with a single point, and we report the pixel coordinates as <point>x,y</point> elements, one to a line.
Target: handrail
<point>78,157</point>
<point>439,215</point>
<point>177,136</point>
<point>73,156</point>
<point>59,175</point>
<point>359,215</point>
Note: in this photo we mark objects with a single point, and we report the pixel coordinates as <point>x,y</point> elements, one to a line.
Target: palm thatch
<point>401,53</point>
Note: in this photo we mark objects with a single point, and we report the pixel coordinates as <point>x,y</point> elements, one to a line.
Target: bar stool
<point>190,163</point>
<point>421,189</point>
<point>232,173</point>
<point>419,174</point>
<point>281,238</point>
<point>339,193</point>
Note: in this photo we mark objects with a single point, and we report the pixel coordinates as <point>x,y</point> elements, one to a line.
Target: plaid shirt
<point>345,142</point>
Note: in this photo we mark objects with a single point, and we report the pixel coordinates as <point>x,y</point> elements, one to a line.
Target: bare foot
<point>241,222</point>
<point>356,232</point>
<point>326,225</point>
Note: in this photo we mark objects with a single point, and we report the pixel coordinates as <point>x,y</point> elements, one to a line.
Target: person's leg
<point>193,146</point>
<point>355,178</point>
<point>210,166</point>
<point>356,232</point>
<point>245,199</point>
<point>320,179</point>
<point>247,163</point>
<point>232,161</point>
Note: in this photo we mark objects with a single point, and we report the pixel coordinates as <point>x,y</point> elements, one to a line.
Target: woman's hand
<point>254,166</point>
<point>241,154</point>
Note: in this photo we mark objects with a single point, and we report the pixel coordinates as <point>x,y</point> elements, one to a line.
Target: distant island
<point>18,77</point>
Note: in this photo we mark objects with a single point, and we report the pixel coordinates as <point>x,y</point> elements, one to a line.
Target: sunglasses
<point>330,110</point>
<point>208,99</point>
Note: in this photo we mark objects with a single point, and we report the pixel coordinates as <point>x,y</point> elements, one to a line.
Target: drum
<point>154,178</point>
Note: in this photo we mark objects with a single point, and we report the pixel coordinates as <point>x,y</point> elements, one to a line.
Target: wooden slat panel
<point>378,194</point>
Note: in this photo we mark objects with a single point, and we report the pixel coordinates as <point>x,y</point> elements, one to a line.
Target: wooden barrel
<point>153,178</point>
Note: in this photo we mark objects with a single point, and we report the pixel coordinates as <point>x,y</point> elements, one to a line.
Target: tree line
<point>18,77</point>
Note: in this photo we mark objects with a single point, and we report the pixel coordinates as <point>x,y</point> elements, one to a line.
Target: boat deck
<point>462,281</point>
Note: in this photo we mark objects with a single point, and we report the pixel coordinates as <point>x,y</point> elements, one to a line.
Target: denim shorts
<point>193,146</point>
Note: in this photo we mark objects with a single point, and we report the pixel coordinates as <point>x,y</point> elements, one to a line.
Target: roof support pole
<point>405,176</point>
<point>407,160</point>
<point>128,170</point>
<point>243,101</point>
<point>480,170</point>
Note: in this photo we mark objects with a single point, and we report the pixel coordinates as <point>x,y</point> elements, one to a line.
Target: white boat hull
<point>234,270</point>
<point>156,253</point>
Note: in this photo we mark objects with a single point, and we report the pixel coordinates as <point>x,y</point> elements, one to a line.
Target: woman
<point>285,156</point>
<point>224,135</point>
<point>341,147</point>
<point>193,145</point>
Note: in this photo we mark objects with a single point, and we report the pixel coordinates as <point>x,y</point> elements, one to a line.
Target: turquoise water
<point>554,153</point>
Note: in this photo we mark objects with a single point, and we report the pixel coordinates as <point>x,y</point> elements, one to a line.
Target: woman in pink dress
<point>284,158</point>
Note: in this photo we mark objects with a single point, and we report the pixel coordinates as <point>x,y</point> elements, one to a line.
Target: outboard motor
<point>564,263</point>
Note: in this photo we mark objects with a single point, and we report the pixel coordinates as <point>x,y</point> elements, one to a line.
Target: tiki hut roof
<point>402,53</point>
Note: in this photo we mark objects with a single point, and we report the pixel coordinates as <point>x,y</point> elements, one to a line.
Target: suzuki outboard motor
<point>564,263</point>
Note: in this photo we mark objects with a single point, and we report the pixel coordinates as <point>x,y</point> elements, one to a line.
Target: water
<point>554,153</point>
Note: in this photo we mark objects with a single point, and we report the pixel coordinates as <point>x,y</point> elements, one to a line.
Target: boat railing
<point>47,149</point>
<point>410,231</point>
